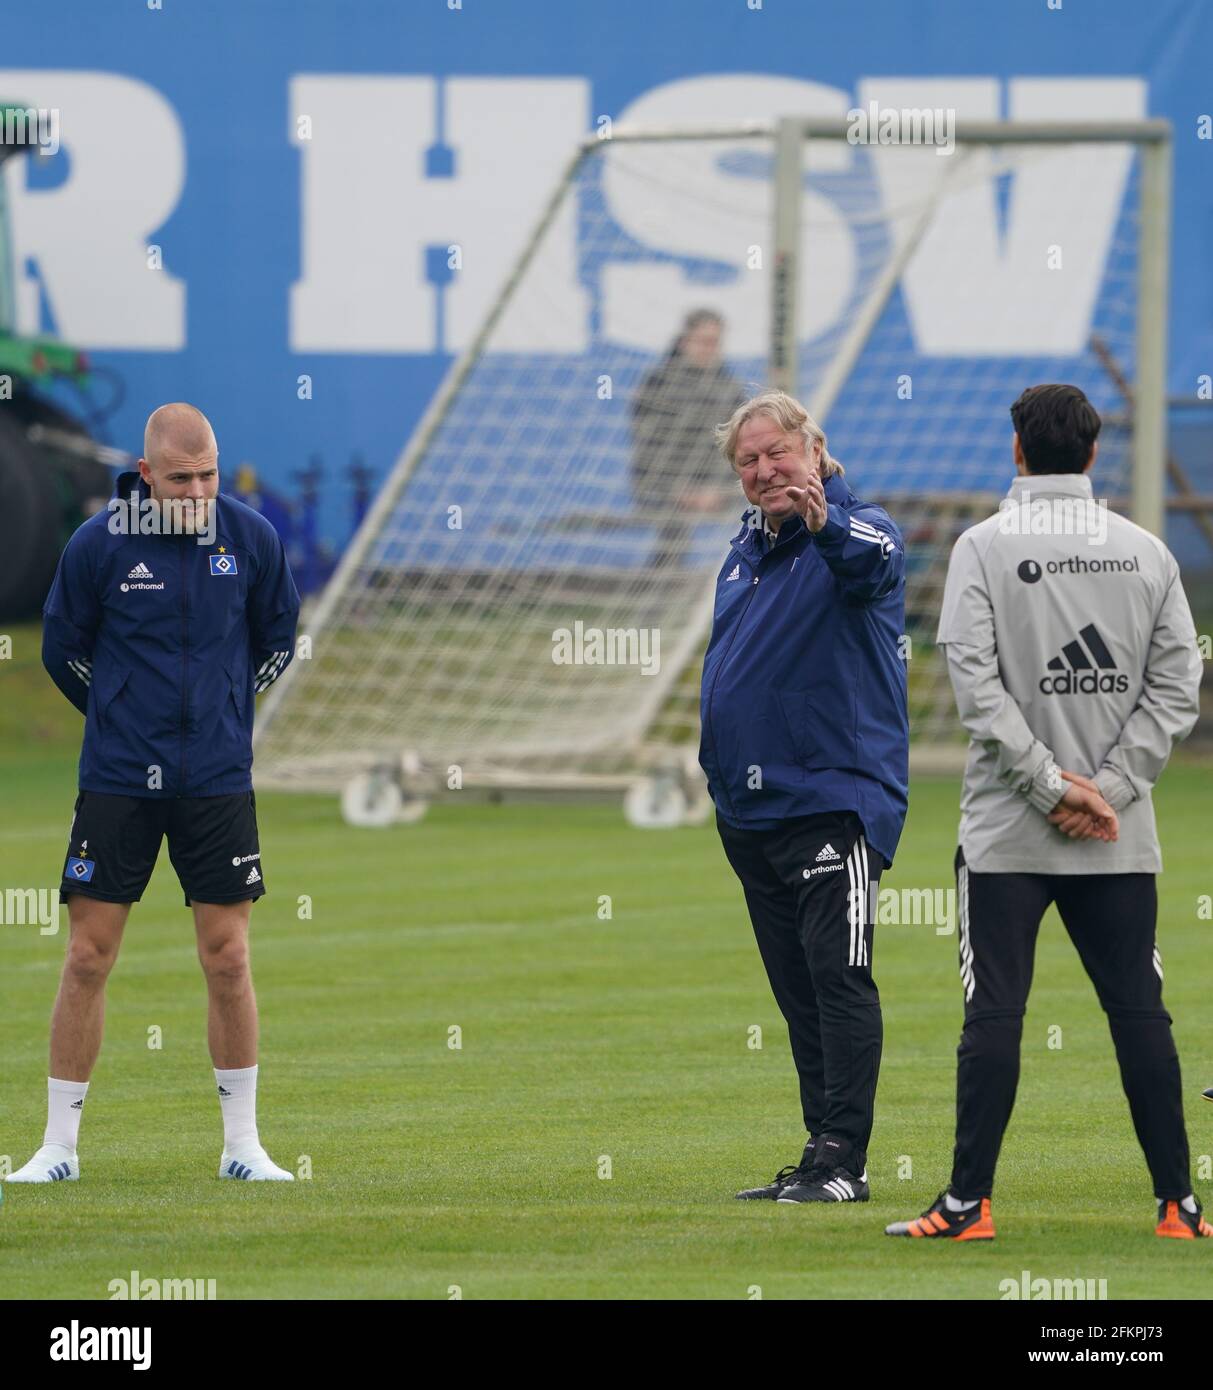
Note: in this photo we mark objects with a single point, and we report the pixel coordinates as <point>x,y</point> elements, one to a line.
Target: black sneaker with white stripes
<point>830,1179</point>
<point>828,1185</point>
<point>784,1178</point>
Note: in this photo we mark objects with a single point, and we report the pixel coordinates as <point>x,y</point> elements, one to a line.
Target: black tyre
<point>84,484</point>
<point>30,531</point>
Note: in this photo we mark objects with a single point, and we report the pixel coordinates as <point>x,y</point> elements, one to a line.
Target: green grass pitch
<point>583,1040</point>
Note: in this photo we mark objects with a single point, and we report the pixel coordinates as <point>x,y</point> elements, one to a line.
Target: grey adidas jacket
<point>1066,649</point>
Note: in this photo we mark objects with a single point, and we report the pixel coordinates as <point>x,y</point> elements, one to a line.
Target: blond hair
<point>181,426</point>
<point>788,414</point>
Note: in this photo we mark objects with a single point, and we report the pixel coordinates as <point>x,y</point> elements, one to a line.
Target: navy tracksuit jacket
<point>162,644</point>
<point>804,676</point>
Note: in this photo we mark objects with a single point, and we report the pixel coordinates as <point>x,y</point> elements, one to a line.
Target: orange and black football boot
<point>938,1222</point>
<point>1175,1221</point>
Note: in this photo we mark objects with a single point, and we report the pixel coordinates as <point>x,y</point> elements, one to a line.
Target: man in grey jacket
<point>1074,661</point>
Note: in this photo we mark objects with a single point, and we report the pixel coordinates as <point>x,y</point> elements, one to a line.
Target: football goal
<point>525,608</point>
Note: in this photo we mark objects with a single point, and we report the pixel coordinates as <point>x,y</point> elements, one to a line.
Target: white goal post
<point>525,605</point>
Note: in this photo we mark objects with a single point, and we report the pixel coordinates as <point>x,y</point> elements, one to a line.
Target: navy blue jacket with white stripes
<point>803,701</point>
<point>162,643</point>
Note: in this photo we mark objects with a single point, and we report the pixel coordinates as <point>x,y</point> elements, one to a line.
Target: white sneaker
<point>52,1163</point>
<point>253,1165</point>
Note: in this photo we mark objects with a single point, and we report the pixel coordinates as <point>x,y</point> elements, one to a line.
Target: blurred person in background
<point>677,475</point>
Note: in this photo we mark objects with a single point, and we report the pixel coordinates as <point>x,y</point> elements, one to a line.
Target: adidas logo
<point>141,571</point>
<point>77,1104</point>
<point>223,1091</point>
<point>734,574</point>
<point>1085,667</point>
<point>253,875</point>
<point>829,852</point>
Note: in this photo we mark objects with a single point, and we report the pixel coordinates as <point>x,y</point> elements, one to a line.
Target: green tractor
<point>52,473</point>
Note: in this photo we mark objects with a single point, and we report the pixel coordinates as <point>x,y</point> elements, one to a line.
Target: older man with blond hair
<point>805,747</point>
<point>169,612</point>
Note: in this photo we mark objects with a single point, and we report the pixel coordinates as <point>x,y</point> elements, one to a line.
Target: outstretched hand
<point>810,502</point>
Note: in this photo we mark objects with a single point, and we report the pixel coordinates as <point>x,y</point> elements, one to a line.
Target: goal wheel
<point>372,800</point>
<point>414,802</point>
<point>699,804</point>
<point>656,802</point>
<point>412,809</point>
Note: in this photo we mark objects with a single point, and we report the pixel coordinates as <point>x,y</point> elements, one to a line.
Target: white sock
<point>64,1106</point>
<point>1189,1203</point>
<point>238,1102</point>
<point>955,1204</point>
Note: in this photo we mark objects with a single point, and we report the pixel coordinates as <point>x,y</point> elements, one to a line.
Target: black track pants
<point>1111,920</point>
<point>809,886</point>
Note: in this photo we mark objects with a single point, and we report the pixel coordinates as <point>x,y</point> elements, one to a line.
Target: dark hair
<point>1056,425</point>
<point>694,319</point>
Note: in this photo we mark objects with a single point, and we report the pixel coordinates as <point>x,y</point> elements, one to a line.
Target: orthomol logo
<point>1032,571</point>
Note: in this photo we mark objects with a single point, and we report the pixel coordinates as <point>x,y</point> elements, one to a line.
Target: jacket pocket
<point>236,682</point>
<point>820,729</point>
<point>810,730</point>
<point>107,686</point>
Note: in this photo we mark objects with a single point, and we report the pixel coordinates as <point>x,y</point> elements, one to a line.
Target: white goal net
<point>528,600</point>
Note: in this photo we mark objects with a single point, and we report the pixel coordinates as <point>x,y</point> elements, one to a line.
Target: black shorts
<point>212,843</point>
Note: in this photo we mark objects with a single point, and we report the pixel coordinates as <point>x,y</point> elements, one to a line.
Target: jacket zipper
<point>185,669</point>
<point>721,663</point>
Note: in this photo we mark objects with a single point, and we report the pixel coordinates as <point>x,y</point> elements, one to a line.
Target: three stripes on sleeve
<point>865,531</point>
<point>267,673</point>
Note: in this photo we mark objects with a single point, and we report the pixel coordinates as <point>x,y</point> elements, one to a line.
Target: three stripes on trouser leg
<point>857,902</point>
<point>966,941</point>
